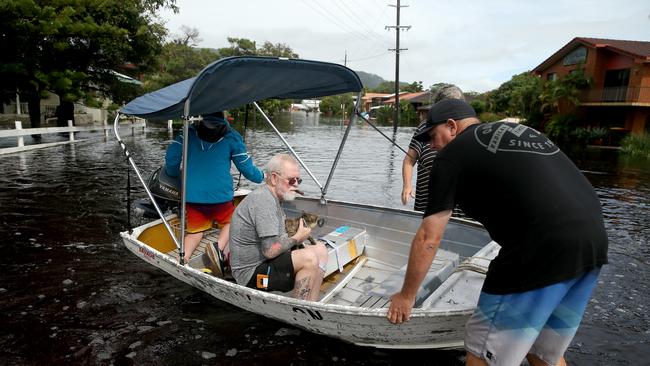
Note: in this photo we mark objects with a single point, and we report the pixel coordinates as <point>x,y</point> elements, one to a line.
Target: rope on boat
<point>392,141</point>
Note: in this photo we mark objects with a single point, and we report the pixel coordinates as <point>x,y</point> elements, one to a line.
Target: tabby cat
<point>311,221</point>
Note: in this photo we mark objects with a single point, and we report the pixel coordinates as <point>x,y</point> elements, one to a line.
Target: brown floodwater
<point>70,293</point>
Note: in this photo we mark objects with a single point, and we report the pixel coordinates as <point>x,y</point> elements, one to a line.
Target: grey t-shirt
<point>257,216</point>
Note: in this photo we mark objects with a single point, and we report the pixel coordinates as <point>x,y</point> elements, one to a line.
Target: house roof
<point>412,97</point>
<point>368,96</point>
<point>638,50</point>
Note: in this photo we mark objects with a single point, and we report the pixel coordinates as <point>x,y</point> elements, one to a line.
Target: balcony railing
<point>619,94</point>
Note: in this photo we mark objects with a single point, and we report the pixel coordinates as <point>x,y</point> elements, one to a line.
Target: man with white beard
<point>261,255</point>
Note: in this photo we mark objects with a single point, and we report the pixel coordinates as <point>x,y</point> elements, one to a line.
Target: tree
<point>331,105</point>
<point>277,50</point>
<point>239,47</point>
<point>413,87</point>
<point>177,62</point>
<point>72,48</point>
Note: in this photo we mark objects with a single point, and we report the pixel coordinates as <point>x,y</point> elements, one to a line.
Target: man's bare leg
<point>536,361</point>
<point>224,235</point>
<point>308,273</point>
<point>471,360</point>
<point>191,242</point>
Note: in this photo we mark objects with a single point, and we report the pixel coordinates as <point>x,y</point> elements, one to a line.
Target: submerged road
<point>72,294</point>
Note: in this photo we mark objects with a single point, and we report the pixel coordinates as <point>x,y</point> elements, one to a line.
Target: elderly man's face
<point>287,181</point>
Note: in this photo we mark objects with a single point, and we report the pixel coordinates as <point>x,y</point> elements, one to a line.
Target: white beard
<point>289,196</point>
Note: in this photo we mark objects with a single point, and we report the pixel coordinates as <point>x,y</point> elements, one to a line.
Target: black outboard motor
<point>166,191</point>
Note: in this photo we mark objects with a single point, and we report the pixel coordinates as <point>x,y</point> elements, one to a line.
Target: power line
<point>359,20</point>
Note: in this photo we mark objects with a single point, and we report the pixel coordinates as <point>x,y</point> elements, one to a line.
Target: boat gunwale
<point>286,300</point>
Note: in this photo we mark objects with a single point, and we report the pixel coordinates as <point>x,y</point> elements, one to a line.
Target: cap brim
<point>423,135</point>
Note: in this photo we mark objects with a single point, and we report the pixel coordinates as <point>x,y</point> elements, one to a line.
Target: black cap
<point>445,109</point>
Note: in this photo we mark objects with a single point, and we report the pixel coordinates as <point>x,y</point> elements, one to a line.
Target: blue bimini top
<point>235,81</point>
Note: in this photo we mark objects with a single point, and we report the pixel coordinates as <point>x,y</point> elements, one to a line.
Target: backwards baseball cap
<point>455,109</point>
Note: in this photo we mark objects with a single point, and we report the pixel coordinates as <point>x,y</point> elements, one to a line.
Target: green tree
<point>408,116</point>
<point>71,47</point>
<point>277,50</point>
<point>331,105</point>
<point>239,47</point>
<point>179,60</point>
<point>413,87</point>
<point>565,89</point>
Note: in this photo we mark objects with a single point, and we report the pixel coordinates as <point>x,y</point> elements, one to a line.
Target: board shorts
<point>543,321</point>
<point>201,217</point>
<point>274,275</point>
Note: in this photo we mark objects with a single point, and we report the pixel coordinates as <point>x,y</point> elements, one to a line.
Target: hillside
<point>369,80</point>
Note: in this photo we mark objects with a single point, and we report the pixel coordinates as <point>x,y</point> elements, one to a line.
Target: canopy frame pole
<point>353,120</point>
<point>286,143</point>
<point>185,118</point>
<point>144,185</point>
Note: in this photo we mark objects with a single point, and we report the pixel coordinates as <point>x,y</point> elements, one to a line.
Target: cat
<point>311,221</point>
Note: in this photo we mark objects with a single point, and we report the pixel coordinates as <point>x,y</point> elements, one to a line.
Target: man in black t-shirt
<point>543,212</point>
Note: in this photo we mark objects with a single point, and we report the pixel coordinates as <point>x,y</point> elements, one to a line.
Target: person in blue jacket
<point>213,144</point>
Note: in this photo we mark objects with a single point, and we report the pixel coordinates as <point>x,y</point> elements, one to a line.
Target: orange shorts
<point>201,217</point>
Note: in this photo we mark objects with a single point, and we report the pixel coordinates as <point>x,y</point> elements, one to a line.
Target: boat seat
<point>442,267</point>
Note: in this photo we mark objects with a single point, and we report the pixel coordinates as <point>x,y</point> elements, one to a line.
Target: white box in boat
<point>344,244</point>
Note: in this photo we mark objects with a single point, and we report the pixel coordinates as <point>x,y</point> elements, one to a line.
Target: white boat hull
<point>433,325</point>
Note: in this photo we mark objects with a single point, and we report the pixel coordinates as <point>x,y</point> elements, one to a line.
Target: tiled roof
<point>638,49</point>
<point>634,49</point>
<point>375,95</point>
<point>408,96</point>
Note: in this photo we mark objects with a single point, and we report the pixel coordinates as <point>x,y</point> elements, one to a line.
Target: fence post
<point>71,133</point>
<point>21,140</point>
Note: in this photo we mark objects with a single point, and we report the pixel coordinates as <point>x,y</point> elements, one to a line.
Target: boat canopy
<point>235,81</point>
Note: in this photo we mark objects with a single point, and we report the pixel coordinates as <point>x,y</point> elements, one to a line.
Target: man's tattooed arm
<point>273,246</point>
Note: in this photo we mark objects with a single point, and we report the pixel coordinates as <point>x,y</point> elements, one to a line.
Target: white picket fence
<point>19,132</point>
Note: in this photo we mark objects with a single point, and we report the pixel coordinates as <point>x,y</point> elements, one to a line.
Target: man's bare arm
<point>273,246</point>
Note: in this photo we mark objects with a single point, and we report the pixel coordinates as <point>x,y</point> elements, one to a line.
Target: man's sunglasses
<point>291,181</point>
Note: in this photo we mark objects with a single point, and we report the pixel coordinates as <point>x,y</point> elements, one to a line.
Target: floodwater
<point>70,293</point>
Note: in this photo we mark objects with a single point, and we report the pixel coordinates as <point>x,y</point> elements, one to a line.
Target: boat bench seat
<point>442,267</point>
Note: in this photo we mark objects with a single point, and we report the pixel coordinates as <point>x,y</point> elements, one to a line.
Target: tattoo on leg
<point>301,289</point>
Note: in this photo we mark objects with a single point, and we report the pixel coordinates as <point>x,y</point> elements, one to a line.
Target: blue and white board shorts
<point>543,321</point>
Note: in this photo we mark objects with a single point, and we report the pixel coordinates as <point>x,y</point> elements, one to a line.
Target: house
<point>421,102</point>
<point>370,100</point>
<point>619,95</point>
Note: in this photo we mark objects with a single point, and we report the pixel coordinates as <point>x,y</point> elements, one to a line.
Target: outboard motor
<point>166,191</point>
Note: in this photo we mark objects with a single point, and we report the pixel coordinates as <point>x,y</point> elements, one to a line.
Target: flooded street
<point>71,293</point>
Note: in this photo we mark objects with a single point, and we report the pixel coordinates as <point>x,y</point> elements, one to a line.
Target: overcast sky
<point>474,44</point>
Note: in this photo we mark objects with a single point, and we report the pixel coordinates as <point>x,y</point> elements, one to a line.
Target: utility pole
<point>397,28</point>
<point>345,60</point>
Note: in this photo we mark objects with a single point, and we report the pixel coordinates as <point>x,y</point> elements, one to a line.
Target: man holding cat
<point>261,255</point>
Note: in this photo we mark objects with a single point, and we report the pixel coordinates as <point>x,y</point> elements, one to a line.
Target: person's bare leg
<point>224,235</point>
<point>321,253</point>
<point>308,273</point>
<point>471,360</point>
<point>191,242</point>
<point>536,361</point>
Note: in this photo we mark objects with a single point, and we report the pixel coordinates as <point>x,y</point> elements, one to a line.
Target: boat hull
<point>430,327</point>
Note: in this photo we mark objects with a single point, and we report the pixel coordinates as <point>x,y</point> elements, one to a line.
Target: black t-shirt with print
<point>529,196</point>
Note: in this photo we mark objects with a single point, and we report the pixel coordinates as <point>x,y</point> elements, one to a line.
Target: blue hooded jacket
<point>208,174</point>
